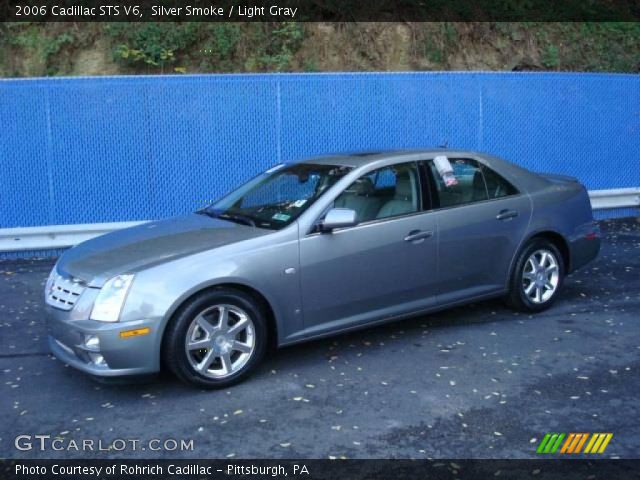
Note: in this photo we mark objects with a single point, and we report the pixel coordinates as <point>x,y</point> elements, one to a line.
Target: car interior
<point>474,183</point>
<point>384,193</point>
<point>393,191</point>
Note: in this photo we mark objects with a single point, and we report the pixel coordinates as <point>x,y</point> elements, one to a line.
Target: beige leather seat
<point>404,199</point>
<point>359,197</point>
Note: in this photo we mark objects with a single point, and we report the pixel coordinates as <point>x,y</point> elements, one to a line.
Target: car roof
<point>358,159</point>
<point>522,177</point>
<point>354,159</point>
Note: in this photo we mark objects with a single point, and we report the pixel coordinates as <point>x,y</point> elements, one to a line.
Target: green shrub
<point>219,46</point>
<point>154,44</point>
<point>282,41</point>
<point>550,57</point>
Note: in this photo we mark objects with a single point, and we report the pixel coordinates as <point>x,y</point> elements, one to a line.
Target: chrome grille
<point>64,292</point>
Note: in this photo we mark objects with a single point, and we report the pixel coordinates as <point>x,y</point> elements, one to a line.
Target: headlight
<point>49,285</point>
<point>111,298</point>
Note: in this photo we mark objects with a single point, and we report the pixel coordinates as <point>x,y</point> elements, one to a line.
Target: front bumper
<point>111,355</point>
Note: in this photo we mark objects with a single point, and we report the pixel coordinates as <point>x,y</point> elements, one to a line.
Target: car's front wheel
<point>537,276</point>
<point>216,339</point>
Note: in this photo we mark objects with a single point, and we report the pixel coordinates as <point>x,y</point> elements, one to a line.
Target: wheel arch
<point>552,236</point>
<point>559,242</point>
<point>259,297</point>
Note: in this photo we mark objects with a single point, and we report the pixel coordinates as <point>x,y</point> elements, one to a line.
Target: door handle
<point>415,235</point>
<point>506,214</point>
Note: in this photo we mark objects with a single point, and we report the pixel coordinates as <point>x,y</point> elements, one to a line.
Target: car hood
<point>132,249</point>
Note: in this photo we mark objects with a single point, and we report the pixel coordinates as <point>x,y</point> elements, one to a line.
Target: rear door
<point>481,221</point>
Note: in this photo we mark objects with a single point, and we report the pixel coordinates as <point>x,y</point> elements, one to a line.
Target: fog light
<point>92,342</point>
<point>97,359</point>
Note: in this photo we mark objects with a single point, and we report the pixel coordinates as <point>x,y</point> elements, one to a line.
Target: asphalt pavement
<point>478,381</point>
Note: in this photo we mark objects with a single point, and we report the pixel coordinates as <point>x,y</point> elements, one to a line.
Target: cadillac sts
<point>314,248</point>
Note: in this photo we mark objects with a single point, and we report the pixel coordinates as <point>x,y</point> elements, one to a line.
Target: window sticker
<point>281,217</point>
<point>299,203</point>
<point>445,170</point>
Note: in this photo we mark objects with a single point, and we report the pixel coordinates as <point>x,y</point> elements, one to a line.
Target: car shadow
<point>305,354</point>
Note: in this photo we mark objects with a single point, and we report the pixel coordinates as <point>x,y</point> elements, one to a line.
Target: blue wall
<point>126,148</point>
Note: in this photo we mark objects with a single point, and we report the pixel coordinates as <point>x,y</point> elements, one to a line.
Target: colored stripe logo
<point>574,443</point>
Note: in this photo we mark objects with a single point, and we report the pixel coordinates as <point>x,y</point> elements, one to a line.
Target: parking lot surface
<point>478,381</point>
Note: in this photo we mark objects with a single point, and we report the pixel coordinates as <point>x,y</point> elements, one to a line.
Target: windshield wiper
<point>232,217</point>
<point>238,218</point>
<point>206,212</point>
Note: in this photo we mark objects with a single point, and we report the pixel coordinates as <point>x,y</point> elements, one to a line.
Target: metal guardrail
<point>614,198</point>
<point>51,237</point>
<point>62,236</point>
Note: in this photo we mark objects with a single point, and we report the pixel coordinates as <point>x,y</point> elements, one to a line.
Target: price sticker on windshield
<point>282,217</point>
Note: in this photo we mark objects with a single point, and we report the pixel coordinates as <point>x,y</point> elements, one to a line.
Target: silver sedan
<point>315,248</point>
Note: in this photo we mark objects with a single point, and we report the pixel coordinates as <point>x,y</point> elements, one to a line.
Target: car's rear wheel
<point>216,339</point>
<point>537,276</point>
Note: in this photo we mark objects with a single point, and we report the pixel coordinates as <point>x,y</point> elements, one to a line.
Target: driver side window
<point>384,193</point>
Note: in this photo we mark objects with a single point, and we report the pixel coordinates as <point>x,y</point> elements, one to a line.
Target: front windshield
<point>277,197</point>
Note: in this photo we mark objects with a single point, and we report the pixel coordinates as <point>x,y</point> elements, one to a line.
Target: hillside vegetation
<point>33,49</point>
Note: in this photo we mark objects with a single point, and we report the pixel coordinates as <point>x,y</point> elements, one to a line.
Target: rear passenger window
<point>474,182</point>
<point>496,185</point>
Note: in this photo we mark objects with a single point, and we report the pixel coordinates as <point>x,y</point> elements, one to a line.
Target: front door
<point>382,267</point>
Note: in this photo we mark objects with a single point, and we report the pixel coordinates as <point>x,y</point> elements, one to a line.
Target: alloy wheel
<point>541,276</point>
<point>220,341</point>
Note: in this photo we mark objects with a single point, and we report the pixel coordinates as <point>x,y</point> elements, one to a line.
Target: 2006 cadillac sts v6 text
<point>314,248</point>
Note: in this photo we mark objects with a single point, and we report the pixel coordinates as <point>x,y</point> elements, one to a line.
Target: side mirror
<point>338,218</point>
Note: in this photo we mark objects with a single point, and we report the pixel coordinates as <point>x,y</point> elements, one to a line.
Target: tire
<point>231,329</point>
<point>534,287</point>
